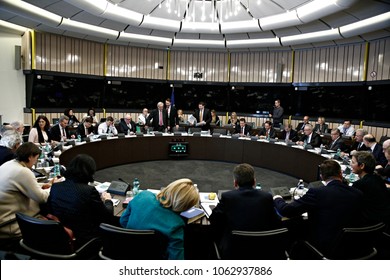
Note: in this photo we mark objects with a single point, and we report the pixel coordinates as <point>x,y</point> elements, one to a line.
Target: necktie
<point>86,130</point>
<point>108,129</point>
<point>242,130</point>
<point>266,133</point>
<point>160,118</point>
<point>288,135</point>
<point>63,132</point>
<point>359,146</point>
<point>345,131</point>
<point>201,115</point>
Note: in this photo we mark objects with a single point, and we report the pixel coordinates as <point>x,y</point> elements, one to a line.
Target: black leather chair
<point>130,244</point>
<point>258,245</point>
<point>353,244</point>
<point>47,239</point>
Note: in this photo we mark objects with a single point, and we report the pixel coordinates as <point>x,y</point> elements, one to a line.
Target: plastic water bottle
<point>258,186</point>
<point>300,185</point>
<point>189,130</point>
<point>135,186</point>
<point>57,171</point>
<point>79,138</point>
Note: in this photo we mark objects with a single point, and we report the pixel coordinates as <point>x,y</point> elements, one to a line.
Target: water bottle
<point>79,138</point>
<point>338,153</point>
<point>322,148</point>
<point>57,171</point>
<point>135,186</point>
<point>258,186</point>
<point>189,130</point>
<point>300,185</point>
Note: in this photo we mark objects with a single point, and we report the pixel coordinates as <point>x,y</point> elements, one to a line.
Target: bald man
<point>127,126</point>
<point>376,149</point>
<point>159,118</point>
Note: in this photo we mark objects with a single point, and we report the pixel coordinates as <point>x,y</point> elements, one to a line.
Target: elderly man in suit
<point>376,149</point>
<point>159,118</point>
<point>309,137</point>
<point>337,142</point>
<point>244,208</point>
<point>60,131</point>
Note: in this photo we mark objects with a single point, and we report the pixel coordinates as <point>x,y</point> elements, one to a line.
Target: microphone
<point>120,179</point>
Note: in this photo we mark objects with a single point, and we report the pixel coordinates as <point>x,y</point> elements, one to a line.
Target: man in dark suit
<point>375,194</point>
<point>302,124</point>
<point>244,208</point>
<point>330,208</point>
<point>336,142</point>
<point>376,149</point>
<point>289,134</point>
<point>158,117</point>
<point>127,126</point>
<point>203,116</point>
<point>358,144</point>
<point>173,120</point>
<point>85,128</point>
<point>267,131</point>
<point>309,137</point>
<point>60,131</point>
<point>243,129</point>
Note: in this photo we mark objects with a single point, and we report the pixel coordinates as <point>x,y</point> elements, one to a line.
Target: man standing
<point>203,116</point>
<point>173,120</point>
<point>244,208</point>
<point>159,118</point>
<point>277,114</point>
<point>60,131</point>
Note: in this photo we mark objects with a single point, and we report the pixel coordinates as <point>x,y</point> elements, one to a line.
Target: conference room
<point>253,58</point>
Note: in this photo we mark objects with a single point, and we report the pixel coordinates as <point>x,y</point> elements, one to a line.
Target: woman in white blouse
<point>40,131</point>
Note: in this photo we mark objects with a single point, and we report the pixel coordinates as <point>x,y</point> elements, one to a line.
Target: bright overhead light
<point>145,39</point>
<point>366,25</point>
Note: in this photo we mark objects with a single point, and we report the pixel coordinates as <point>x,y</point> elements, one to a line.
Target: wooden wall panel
<point>379,60</point>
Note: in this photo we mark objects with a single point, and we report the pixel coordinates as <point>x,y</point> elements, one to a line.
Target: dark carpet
<point>210,176</point>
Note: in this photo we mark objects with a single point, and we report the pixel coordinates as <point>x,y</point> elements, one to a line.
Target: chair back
<point>357,243</point>
<point>260,245</point>
<point>45,236</point>
<point>130,244</point>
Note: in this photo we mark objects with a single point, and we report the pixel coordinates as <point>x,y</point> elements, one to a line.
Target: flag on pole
<point>173,97</point>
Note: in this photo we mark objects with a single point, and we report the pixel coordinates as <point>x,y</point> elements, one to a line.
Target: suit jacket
<point>293,135</point>
<point>154,118</point>
<point>300,126</point>
<point>379,155</point>
<point>271,133</point>
<point>242,209</point>
<point>355,147</point>
<point>376,198</point>
<point>81,130</point>
<point>338,144</point>
<point>318,129</point>
<point>330,208</point>
<point>123,128</point>
<point>173,120</point>
<point>6,154</point>
<point>56,132</point>
<point>315,140</point>
<point>206,118</point>
<point>79,207</point>
<point>247,129</point>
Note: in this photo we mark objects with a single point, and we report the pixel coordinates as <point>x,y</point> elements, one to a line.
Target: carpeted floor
<point>208,175</point>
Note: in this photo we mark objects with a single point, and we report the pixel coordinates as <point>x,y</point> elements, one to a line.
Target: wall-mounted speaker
<point>18,57</point>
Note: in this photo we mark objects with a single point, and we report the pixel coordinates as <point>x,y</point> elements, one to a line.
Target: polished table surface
<point>117,151</point>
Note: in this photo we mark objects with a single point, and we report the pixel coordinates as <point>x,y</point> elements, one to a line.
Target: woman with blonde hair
<point>162,213</point>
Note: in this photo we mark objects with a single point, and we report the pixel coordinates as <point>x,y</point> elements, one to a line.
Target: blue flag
<point>173,97</point>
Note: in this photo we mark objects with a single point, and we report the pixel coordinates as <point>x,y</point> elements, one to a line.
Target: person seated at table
<point>85,128</point>
<point>78,205</point>
<point>60,131</point>
<point>244,208</point>
<point>347,129</point>
<point>243,129</point>
<point>107,127</point>
<point>215,121</point>
<point>127,126</point>
<point>336,142</point>
<point>300,127</point>
<point>384,172</point>
<point>375,148</point>
<point>267,131</point>
<point>72,118</point>
<point>376,197</point>
<point>10,141</point>
<point>91,113</point>
<point>19,192</point>
<point>18,126</point>
<point>289,134</point>
<point>330,208</point>
<point>309,137</point>
<point>162,213</point>
<point>358,144</point>
<point>321,127</point>
<point>180,116</point>
<point>39,133</point>
<point>233,120</point>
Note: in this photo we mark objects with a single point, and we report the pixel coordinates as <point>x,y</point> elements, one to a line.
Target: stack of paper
<point>208,204</point>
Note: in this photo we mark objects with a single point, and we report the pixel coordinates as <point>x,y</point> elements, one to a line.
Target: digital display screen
<point>178,149</point>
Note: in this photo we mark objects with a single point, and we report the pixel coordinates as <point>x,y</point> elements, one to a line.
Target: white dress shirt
<point>102,129</point>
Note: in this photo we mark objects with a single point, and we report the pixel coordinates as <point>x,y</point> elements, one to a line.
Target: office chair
<point>130,244</point>
<point>353,244</point>
<point>47,239</point>
<point>221,131</point>
<point>258,245</point>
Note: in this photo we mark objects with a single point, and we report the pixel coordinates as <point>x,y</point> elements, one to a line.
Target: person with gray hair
<point>4,128</point>
<point>309,137</point>
<point>60,131</point>
<point>158,117</point>
<point>10,141</point>
<point>18,126</point>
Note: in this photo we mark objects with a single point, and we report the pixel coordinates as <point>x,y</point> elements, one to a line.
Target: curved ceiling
<point>204,24</point>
